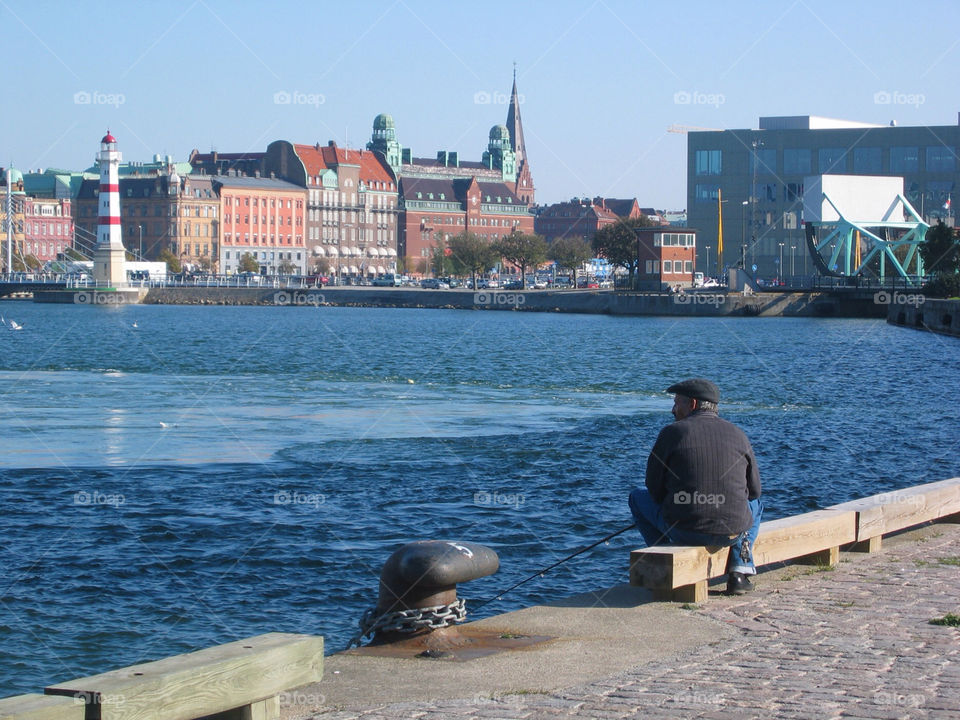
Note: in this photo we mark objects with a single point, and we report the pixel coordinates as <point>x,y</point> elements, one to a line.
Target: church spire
<point>514,123</point>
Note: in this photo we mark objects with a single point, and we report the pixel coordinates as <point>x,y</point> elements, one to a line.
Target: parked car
<point>388,280</point>
<point>434,284</point>
<point>513,285</point>
<point>317,280</point>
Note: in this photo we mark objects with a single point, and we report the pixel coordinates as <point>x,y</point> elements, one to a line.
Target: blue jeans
<point>657,531</point>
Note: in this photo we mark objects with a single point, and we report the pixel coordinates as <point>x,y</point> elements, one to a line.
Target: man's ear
<point>694,403</point>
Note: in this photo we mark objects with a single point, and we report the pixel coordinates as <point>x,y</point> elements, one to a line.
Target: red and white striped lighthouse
<point>109,269</point>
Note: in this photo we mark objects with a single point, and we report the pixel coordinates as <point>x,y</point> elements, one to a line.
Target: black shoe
<point>738,584</point>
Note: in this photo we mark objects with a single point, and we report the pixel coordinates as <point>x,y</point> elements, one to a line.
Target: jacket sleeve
<point>657,468</point>
<point>753,475</point>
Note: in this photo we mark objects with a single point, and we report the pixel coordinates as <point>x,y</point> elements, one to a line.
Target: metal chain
<point>411,620</point>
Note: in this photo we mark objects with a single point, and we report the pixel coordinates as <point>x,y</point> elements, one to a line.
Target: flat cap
<point>698,388</point>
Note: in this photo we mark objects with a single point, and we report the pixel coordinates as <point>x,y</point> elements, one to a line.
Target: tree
<point>32,262</point>
<point>570,253</point>
<point>523,251</point>
<point>286,268</point>
<point>618,243</point>
<point>173,263</point>
<point>71,254</point>
<point>940,251</point>
<point>438,256</point>
<point>471,254</point>
<point>321,266</point>
<point>248,263</point>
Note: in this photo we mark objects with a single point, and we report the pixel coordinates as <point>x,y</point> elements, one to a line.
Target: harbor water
<point>178,477</point>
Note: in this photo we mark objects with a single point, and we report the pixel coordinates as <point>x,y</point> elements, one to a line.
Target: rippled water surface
<point>215,473</point>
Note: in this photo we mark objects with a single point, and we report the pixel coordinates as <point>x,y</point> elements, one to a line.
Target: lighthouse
<point>109,263</point>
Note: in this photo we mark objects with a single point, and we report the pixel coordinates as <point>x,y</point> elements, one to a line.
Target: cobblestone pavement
<point>849,642</point>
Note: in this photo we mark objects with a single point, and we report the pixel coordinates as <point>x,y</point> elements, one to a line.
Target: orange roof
<point>318,158</point>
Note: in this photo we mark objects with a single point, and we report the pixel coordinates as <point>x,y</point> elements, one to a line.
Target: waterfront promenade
<point>849,642</point>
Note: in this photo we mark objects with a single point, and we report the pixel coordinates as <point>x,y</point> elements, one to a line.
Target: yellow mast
<point>719,232</point>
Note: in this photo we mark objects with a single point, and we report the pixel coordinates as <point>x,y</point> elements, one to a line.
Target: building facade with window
<point>353,203</point>
<point>759,176</point>
<point>578,218</point>
<point>667,257</point>
<point>263,218</point>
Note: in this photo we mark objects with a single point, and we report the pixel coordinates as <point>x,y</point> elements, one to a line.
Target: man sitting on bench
<point>702,484</point>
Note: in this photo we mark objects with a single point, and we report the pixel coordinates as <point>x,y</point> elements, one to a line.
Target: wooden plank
<point>666,567</point>
<point>801,535</point>
<point>35,706</point>
<point>898,509</point>
<point>205,682</point>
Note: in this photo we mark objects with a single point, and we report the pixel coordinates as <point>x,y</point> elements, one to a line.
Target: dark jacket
<point>702,472</point>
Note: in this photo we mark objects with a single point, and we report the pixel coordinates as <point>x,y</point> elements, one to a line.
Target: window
<point>765,192</point>
<point>940,159</point>
<point>796,161</point>
<point>708,162</point>
<point>866,160</point>
<point>764,161</point>
<point>667,266</point>
<point>705,192</point>
<point>832,160</point>
<point>688,266</point>
<point>904,160</point>
<point>793,192</point>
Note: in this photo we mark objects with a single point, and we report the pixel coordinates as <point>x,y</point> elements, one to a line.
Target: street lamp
<point>780,265</point>
<point>140,228</point>
<point>743,234</point>
<point>707,248</point>
<point>792,272</point>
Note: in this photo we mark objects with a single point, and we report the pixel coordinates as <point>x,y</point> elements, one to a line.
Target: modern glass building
<point>759,176</point>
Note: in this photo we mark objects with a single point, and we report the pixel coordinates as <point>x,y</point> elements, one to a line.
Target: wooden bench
<point>238,681</point>
<point>681,573</point>
<point>879,515</point>
<point>35,706</point>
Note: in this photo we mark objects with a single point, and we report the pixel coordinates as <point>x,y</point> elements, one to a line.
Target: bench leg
<point>870,545</point>
<point>830,556</point>
<point>268,709</point>
<point>694,593</point>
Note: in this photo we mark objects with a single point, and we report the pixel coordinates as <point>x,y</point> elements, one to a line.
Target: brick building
<point>578,218</point>
<point>437,208</point>
<point>667,256</point>
<point>262,217</point>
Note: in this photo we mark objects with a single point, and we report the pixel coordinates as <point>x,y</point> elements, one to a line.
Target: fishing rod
<point>551,567</point>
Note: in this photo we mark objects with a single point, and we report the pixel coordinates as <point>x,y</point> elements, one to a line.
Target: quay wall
<point>939,316</point>
<point>584,301</point>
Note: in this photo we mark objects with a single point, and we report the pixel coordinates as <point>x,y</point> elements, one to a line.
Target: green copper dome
<point>383,122</point>
<point>499,133</point>
<point>14,176</point>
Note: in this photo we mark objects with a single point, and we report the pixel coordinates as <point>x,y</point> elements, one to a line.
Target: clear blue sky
<point>601,81</point>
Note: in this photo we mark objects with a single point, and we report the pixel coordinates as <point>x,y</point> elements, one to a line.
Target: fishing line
<point>551,567</point>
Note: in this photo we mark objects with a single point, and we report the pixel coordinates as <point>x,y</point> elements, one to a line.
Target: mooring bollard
<point>418,588</point>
